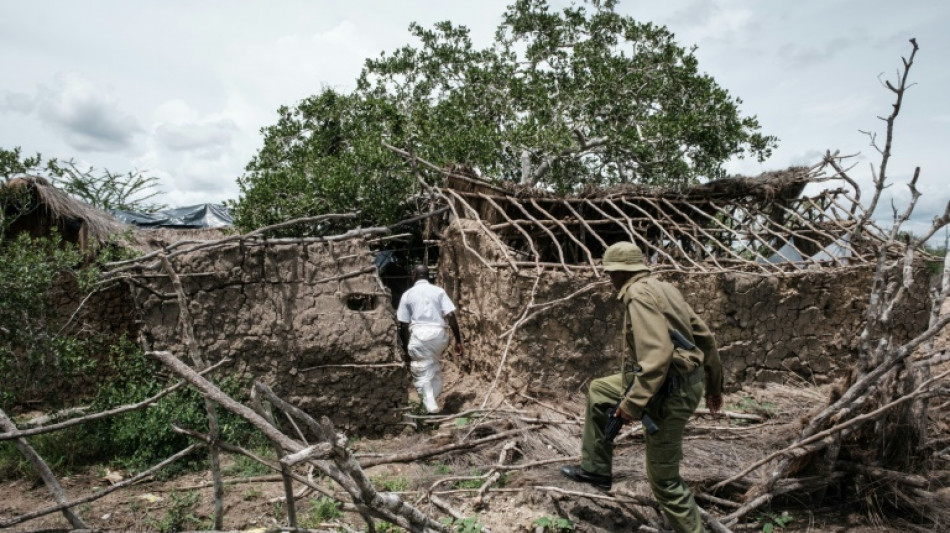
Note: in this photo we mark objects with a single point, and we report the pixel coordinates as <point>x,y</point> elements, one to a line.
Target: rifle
<point>614,422</point>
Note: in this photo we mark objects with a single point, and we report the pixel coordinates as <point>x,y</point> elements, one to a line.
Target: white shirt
<point>424,304</point>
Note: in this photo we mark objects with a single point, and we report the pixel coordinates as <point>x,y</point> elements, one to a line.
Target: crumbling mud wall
<point>802,326</point>
<point>311,319</point>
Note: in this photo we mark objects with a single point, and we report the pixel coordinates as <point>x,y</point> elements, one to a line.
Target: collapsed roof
<point>762,224</point>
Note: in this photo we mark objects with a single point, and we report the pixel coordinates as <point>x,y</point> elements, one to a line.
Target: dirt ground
<point>521,499</point>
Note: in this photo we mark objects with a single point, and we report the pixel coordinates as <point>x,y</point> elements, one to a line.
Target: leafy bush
<point>180,514</point>
<point>33,356</point>
<point>142,438</point>
<point>320,510</point>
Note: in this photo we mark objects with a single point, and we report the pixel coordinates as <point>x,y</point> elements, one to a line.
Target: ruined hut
<point>781,277</point>
<point>34,206</point>
<point>309,317</point>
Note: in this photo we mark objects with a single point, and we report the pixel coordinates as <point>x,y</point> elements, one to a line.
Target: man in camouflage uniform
<point>668,384</point>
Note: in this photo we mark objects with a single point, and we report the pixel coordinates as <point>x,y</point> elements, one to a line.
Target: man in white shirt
<point>423,313</point>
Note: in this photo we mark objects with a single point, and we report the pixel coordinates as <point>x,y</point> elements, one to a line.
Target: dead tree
<point>871,439</point>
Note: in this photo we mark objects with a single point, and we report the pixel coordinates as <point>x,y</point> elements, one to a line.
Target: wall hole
<point>361,302</point>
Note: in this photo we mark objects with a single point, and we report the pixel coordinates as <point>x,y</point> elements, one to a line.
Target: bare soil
<point>714,448</point>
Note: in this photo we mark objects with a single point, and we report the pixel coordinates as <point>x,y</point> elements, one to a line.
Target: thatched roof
<point>52,206</point>
<point>62,208</point>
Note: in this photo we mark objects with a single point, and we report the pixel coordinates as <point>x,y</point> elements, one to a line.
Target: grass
<point>179,514</point>
<point>392,484</point>
<point>247,467</point>
<point>319,510</point>
<point>749,404</point>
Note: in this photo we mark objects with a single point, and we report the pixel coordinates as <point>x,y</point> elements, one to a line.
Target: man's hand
<point>624,416</point>
<point>714,403</point>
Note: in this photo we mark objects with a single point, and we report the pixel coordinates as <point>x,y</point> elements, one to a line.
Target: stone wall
<point>311,320</point>
<point>770,328</point>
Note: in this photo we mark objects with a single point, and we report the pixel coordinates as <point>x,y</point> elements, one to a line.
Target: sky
<point>180,89</point>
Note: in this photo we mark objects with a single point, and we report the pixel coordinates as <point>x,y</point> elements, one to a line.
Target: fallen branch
<point>384,506</point>
<point>99,494</point>
<point>191,347</point>
<point>105,414</point>
<point>922,389</point>
<point>44,471</point>
<point>409,457</point>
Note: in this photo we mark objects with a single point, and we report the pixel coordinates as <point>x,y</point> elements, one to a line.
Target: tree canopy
<point>564,99</point>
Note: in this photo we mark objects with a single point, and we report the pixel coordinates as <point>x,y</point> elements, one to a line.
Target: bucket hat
<point>624,256</point>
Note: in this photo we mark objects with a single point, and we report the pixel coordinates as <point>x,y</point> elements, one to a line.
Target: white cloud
<point>208,136</point>
<point>16,102</point>
<point>87,115</point>
<point>703,21</point>
<point>194,155</point>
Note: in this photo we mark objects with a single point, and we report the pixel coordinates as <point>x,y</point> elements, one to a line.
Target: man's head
<point>420,272</point>
<point>621,261</point>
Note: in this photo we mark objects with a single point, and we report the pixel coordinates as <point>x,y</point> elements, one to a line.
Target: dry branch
<point>99,494</point>
<point>188,337</point>
<point>408,457</point>
<point>344,469</point>
<point>105,414</point>
<point>44,471</point>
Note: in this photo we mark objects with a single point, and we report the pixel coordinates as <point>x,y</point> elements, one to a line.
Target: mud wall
<point>796,327</point>
<point>311,320</point>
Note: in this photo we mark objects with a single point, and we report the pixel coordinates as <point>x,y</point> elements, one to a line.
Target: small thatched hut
<point>38,208</point>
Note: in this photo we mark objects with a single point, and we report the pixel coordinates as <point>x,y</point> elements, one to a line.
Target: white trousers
<point>426,344</point>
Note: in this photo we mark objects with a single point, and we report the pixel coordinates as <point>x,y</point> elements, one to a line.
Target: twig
<point>105,414</point>
<point>188,337</point>
<point>99,494</point>
<point>408,457</point>
<point>44,471</point>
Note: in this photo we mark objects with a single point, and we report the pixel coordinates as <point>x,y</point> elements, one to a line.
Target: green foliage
<point>462,421</point>
<point>110,190</point>
<point>464,525</point>
<point>247,467</point>
<point>64,451</point>
<point>139,439</point>
<point>13,164</point>
<point>442,468</point>
<point>319,510</point>
<point>103,189</point>
<point>392,484</point>
<point>561,99</point>
<point>751,405</point>
<point>471,483</point>
<point>179,514</point>
<point>553,524</point>
<point>34,357</point>
<point>325,156</point>
<point>385,527</point>
<point>771,521</point>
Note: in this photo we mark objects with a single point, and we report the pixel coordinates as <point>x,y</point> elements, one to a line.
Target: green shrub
<point>179,514</point>
<point>34,358</point>
<point>319,510</point>
<point>392,484</point>
<point>142,438</point>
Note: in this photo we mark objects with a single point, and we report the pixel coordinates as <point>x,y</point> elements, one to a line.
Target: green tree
<point>108,190</point>
<point>326,156</point>
<point>561,99</point>
<point>104,189</point>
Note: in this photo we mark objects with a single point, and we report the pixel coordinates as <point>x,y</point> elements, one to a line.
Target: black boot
<point>579,474</point>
